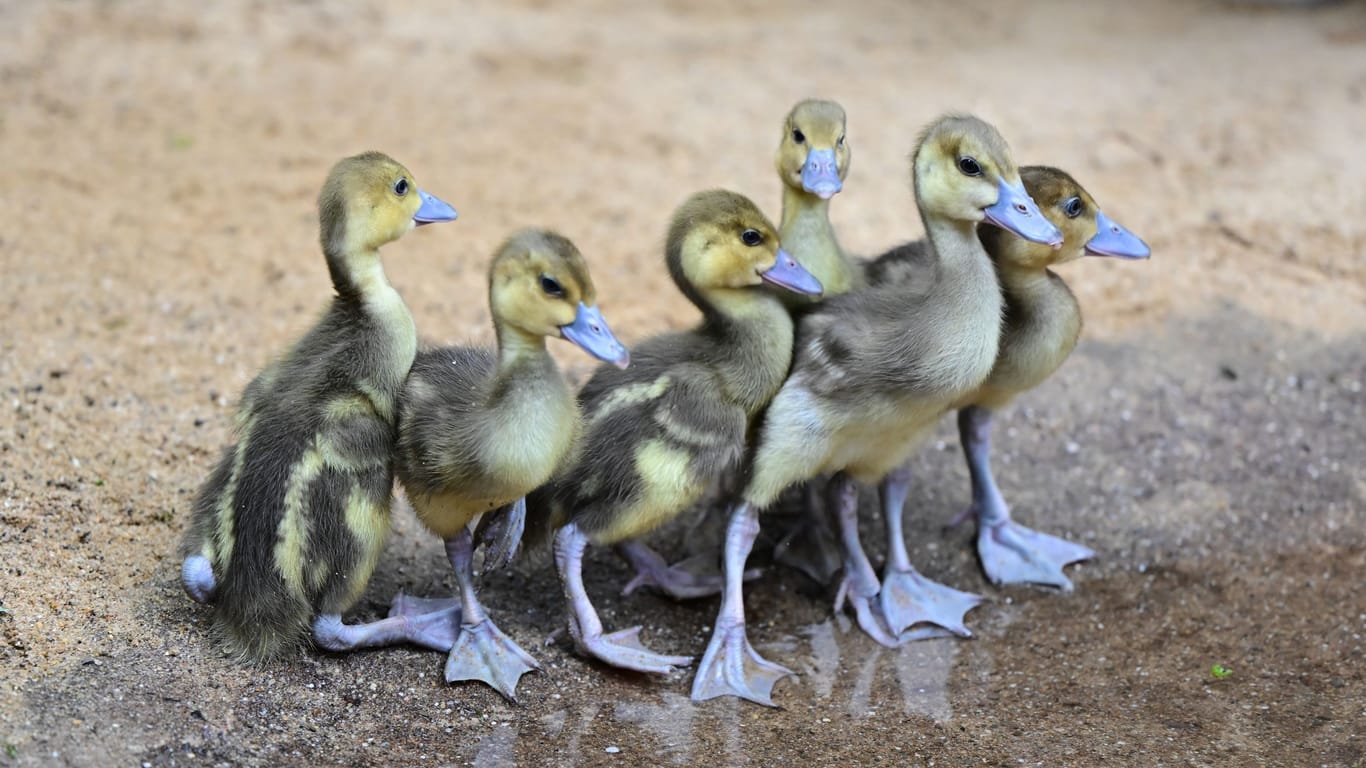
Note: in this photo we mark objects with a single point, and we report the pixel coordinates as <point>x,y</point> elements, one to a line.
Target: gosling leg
<point>621,648</point>
<point>908,598</point>
<point>1009,552</point>
<point>731,666</point>
<point>482,651</point>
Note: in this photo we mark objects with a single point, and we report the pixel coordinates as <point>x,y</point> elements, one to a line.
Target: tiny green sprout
<point>180,142</point>
<point>99,482</point>
<point>11,751</point>
<point>1220,671</point>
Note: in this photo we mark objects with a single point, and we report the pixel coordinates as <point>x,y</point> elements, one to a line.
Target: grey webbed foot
<point>1014,554</point>
<point>908,598</point>
<point>196,576</point>
<point>483,652</point>
<point>871,619</point>
<point>407,605</point>
<point>436,630</point>
<point>694,577</point>
<point>731,667</point>
<point>623,649</point>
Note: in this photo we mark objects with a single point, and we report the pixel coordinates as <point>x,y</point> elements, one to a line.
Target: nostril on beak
<point>1021,208</point>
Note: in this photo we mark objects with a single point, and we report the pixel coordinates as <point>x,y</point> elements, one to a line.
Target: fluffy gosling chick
<point>663,432</point>
<point>480,428</point>
<point>286,531</point>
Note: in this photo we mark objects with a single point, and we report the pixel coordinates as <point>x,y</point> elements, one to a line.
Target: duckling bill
<point>480,428</point>
<point>286,531</point>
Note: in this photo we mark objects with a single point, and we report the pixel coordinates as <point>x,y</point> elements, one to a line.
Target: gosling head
<point>369,200</point>
<point>1085,229</point>
<point>539,284</point>
<point>813,156</point>
<point>964,171</point>
<point>720,240</point>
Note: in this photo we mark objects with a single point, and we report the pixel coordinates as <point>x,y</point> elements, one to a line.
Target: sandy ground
<point>158,242</point>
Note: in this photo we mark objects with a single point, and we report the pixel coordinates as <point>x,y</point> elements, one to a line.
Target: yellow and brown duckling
<point>286,531</point>
<point>1042,324</point>
<point>480,428</point>
<point>812,161</point>
<point>662,433</point>
<point>872,371</point>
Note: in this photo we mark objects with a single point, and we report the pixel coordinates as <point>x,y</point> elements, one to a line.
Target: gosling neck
<point>517,346</point>
<point>957,244</point>
<point>357,273</point>
<point>1020,281</point>
<point>805,208</point>
<point>753,335</point>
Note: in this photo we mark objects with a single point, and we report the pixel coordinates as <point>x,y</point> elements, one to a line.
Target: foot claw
<point>623,649</point>
<point>483,652</point>
<point>731,667</point>
<point>907,599</point>
<point>1014,554</point>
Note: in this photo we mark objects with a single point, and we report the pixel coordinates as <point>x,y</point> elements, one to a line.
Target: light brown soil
<point>158,243</point>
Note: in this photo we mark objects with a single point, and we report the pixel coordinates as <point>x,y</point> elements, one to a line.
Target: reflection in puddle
<point>670,722</point>
<point>496,748</point>
<point>841,673</point>
<point>922,670</point>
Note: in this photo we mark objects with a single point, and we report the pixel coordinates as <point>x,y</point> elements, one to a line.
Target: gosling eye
<point>840,141</point>
<point>1072,207</point>
<point>401,187</point>
<point>751,237</point>
<point>798,136</point>
<point>969,166</point>
<point>551,286</point>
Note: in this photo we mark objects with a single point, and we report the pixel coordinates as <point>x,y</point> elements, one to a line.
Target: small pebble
<point>612,750</point>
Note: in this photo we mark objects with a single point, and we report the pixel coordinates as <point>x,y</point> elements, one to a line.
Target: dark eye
<point>798,136</point>
<point>1072,207</point>
<point>551,286</point>
<point>969,166</point>
<point>401,187</point>
<point>840,141</point>
<point>751,237</point>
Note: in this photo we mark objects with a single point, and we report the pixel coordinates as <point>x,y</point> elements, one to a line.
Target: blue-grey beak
<point>590,332</point>
<point>787,273</point>
<point>821,174</point>
<point>1017,212</point>
<point>433,209</point>
<point>1113,240</point>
